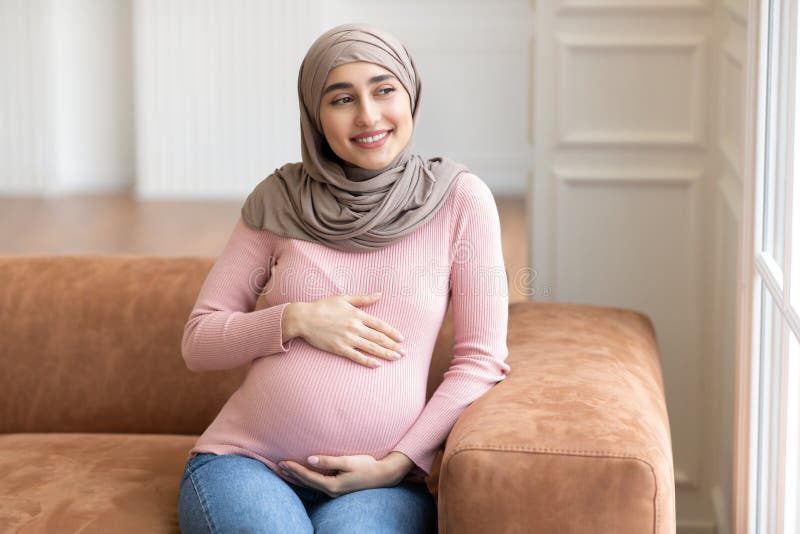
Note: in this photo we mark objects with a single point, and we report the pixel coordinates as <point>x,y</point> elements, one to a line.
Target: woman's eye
<point>339,101</point>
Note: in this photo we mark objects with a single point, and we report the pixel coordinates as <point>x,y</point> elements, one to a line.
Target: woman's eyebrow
<point>348,85</point>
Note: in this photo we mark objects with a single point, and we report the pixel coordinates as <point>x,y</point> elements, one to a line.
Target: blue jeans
<point>233,493</point>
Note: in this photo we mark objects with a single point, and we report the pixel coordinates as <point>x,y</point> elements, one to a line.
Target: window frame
<point>767,417</point>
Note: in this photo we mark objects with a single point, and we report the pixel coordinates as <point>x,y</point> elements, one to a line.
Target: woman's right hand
<point>335,324</point>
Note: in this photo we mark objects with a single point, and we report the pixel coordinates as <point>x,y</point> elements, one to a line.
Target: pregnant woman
<point>357,251</point>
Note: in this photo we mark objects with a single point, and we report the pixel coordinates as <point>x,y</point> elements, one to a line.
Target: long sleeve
<point>223,331</point>
<point>479,293</point>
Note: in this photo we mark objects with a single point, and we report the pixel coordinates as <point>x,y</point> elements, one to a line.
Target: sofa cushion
<point>103,333</point>
<point>91,483</point>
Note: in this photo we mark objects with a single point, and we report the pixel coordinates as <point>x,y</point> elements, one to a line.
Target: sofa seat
<point>91,483</point>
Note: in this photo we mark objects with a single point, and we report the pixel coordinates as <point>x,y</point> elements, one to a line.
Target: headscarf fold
<point>350,208</point>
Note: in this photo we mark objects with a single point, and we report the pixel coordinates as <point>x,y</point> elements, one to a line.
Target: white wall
<point>66,100</point>
<point>724,220</point>
<point>216,90</point>
<point>638,107</point>
<point>25,110</point>
<point>92,95</point>
<point>182,99</point>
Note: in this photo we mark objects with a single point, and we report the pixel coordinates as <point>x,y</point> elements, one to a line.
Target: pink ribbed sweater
<point>297,400</point>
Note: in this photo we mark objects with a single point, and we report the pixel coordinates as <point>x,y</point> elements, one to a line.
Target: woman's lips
<point>374,144</point>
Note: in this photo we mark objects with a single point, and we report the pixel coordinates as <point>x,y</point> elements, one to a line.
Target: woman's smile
<point>372,140</point>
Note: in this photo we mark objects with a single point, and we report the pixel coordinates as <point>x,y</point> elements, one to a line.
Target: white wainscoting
<point>626,178</point>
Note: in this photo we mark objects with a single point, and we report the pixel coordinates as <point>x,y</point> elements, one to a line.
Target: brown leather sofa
<point>98,410</point>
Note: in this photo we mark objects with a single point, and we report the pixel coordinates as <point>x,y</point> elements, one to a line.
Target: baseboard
<point>696,527</point>
<point>721,510</point>
<point>695,510</point>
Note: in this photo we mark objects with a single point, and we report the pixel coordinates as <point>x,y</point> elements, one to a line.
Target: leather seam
<point>545,449</point>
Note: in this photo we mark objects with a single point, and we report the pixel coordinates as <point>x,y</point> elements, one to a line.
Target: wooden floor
<point>120,224</point>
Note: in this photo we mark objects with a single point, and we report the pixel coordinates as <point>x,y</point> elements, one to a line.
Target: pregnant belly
<point>313,402</point>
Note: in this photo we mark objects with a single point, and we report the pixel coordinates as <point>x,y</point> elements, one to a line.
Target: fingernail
<point>402,351</point>
<point>396,356</point>
<point>313,460</point>
<point>377,363</point>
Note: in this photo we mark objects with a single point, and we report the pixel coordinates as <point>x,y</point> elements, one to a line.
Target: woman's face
<point>361,100</point>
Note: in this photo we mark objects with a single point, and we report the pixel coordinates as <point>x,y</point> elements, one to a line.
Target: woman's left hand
<point>357,472</point>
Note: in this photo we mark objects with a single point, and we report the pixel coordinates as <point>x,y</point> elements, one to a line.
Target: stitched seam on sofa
<point>656,510</point>
<point>203,506</point>
<point>545,449</point>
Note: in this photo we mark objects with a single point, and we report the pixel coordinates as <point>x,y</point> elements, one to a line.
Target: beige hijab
<point>350,208</point>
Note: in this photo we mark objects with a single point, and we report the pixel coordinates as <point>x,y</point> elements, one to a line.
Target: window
<point>774,423</point>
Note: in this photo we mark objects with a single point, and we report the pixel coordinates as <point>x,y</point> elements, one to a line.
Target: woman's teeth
<point>372,139</point>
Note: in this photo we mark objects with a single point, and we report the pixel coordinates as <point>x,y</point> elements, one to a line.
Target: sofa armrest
<point>575,439</point>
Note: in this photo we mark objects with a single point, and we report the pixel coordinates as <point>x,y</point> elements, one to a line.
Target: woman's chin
<point>373,164</point>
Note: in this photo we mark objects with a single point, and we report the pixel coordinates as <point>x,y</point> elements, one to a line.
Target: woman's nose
<point>368,113</point>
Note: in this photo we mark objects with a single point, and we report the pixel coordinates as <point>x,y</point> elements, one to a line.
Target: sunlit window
<point>777,269</point>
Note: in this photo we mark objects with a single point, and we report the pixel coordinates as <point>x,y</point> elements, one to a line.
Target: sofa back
<point>93,344</point>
